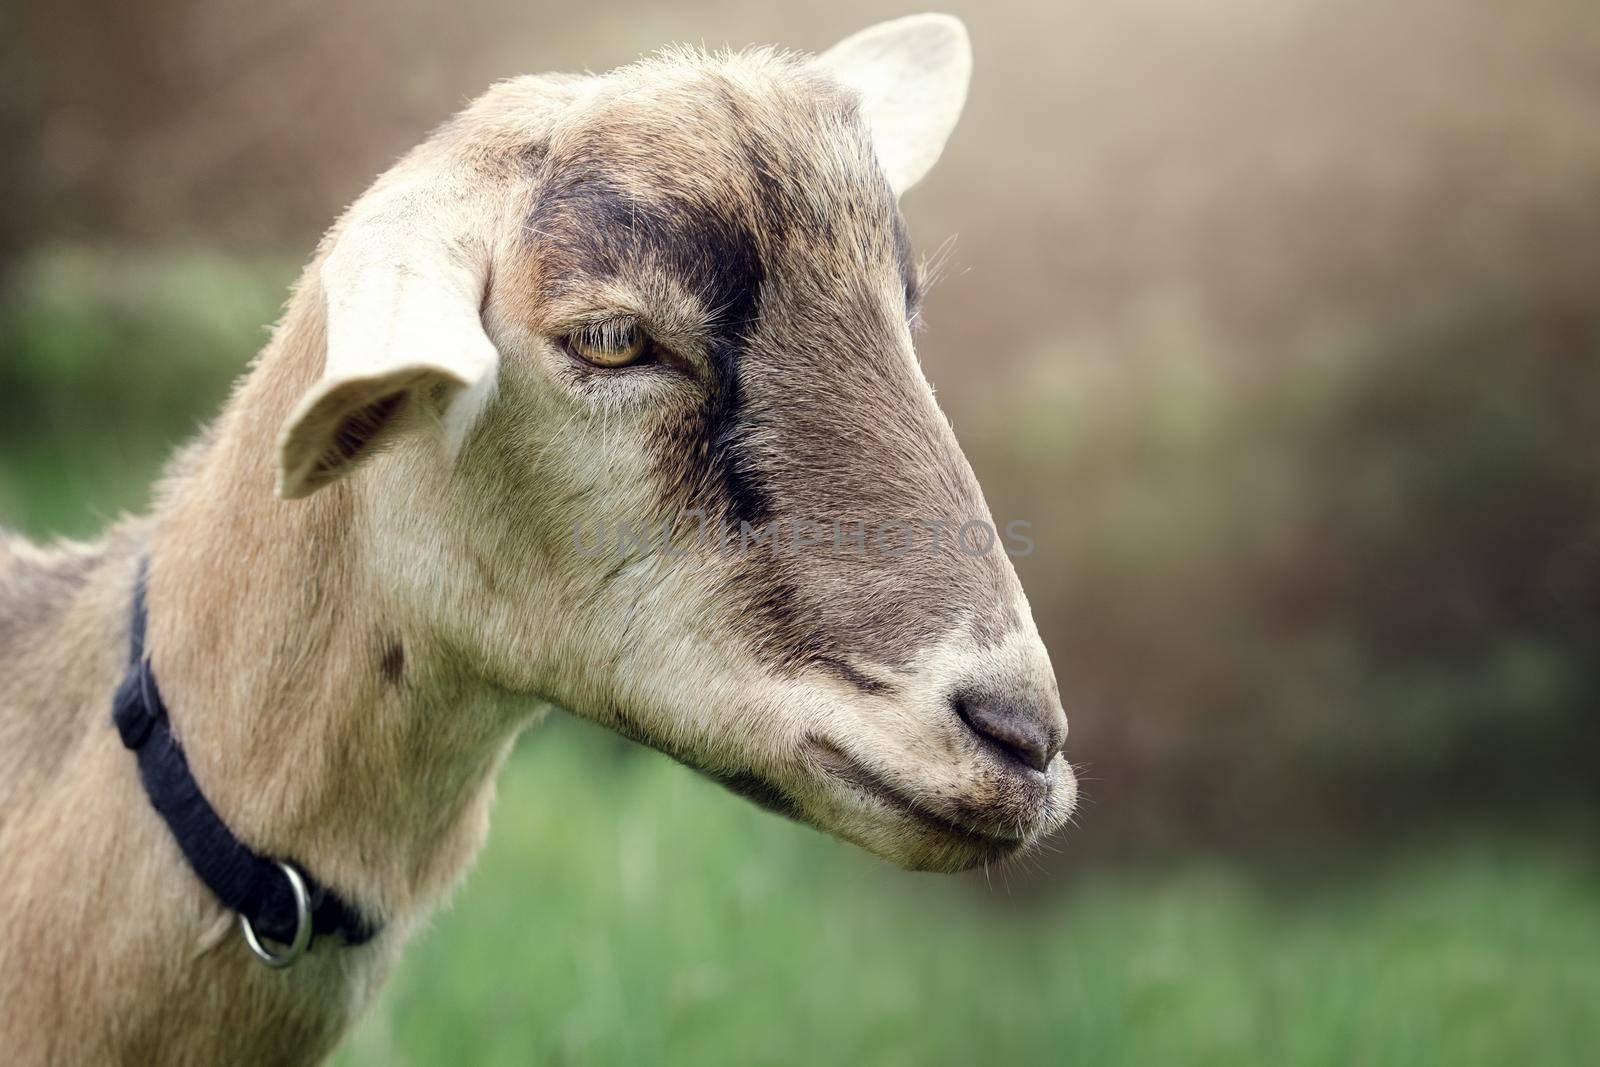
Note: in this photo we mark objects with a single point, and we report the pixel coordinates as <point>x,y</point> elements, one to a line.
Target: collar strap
<point>244,881</point>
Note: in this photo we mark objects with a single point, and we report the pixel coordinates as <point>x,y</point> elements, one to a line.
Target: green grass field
<point>627,912</point>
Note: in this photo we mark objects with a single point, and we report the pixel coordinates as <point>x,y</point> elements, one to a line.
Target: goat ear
<point>912,75</point>
<point>406,349</point>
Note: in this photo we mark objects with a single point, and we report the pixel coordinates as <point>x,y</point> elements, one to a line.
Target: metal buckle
<point>302,930</point>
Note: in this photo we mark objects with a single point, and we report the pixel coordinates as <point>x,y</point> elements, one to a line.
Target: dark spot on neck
<point>392,664</point>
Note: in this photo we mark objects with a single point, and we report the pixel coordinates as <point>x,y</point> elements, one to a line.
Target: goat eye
<point>610,344</point>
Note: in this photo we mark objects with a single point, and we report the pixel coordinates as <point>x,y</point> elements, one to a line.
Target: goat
<point>683,287</point>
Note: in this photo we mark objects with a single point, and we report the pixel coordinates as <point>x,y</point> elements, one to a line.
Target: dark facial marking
<point>602,231</point>
<point>599,231</point>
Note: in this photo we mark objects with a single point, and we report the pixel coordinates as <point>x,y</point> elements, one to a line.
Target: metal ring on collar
<point>302,929</point>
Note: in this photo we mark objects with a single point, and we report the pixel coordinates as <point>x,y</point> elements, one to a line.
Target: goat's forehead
<point>771,142</point>
<point>724,176</point>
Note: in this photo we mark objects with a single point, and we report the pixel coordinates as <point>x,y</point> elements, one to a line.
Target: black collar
<point>245,882</point>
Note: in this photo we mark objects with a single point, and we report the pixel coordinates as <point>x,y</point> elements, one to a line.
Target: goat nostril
<point>1032,734</point>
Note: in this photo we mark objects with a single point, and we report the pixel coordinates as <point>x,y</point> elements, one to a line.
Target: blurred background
<point>1279,320</point>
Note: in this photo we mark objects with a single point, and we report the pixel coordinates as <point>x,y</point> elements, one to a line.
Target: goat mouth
<point>843,767</point>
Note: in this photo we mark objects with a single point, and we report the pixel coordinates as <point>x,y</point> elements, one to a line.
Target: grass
<point>626,912</point>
